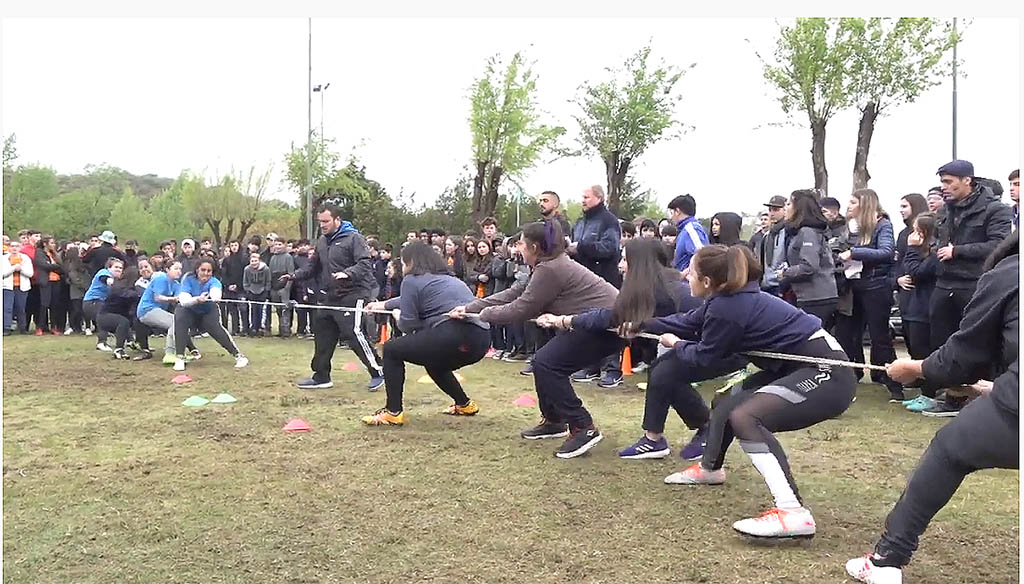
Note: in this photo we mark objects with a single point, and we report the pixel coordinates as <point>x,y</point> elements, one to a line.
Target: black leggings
<point>669,386</point>
<point>440,350</point>
<point>91,309</point>
<point>771,402</point>
<point>109,322</point>
<point>186,319</point>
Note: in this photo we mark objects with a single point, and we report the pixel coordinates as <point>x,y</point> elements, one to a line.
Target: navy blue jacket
<point>597,236</point>
<point>974,227</point>
<point>878,256</point>
<point>745,320</point>
<point>923,271</point>
<point>666,303</point>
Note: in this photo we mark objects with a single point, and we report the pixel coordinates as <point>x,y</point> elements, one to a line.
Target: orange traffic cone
<point>384,333</point>
<point>627,362</point>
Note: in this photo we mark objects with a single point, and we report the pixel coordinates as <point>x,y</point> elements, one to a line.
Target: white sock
<point>769,467</point>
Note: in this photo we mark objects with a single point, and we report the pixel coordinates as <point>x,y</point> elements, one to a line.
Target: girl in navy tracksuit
<point>783,396</point>
<point>922,266</point>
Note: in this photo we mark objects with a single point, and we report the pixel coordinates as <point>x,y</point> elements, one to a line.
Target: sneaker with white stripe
<point>645,448</point>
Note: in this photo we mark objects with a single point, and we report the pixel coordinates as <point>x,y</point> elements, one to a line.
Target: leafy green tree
<point>809,72</point>
<point>130,219</point>
<point>894,61</point>
<point>508,136</point>
<point>29,195</point>
<point>169,211</point>
<point>323,164</point>
<point>77,213</point>
<point>233,202</point>
<point>626,114</point>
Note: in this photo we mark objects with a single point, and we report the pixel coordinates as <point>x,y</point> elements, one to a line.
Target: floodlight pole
<point>309,136</point>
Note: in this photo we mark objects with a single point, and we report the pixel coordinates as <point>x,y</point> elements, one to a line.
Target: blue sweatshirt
<point>727,324</point>
<point>426,300</point>
<point>99,288</point>
<point>691,238</point>
<point>161,284</point>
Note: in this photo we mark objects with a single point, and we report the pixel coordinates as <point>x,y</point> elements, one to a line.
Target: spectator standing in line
<point>691,235</point>
<point>232,270</point>
<point>256,285</point>
<point>771,254</point>
<point>48,272</point>
<point>281,264</point>
<point>16,269</point>
<point>77,274</point>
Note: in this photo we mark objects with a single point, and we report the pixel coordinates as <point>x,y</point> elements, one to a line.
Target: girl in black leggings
<point>439,344</point>
<point>784,396</point>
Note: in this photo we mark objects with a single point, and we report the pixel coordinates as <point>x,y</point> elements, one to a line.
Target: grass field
<point>107,478</point>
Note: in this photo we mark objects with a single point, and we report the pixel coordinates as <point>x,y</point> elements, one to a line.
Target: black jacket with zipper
<point>343,251</point>
<point>974,226</point>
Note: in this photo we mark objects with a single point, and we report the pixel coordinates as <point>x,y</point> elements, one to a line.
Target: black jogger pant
<point>981,436</point>
<point>796,398</point>
<point>825,310</point>
<point>75,314</point>
<point>440,350</point>
<point>669,385</point>
<point>49,307</point>
<point>187,319</point>
<point>871,308</point>
<point>331,325</point>
<point>115,323</point>
<point>563,355</point>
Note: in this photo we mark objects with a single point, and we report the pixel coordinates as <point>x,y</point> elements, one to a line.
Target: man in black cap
<point>968,228</point>
<point>771,252</point>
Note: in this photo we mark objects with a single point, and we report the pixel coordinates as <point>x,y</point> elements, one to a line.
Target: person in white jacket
<point>16,269</point>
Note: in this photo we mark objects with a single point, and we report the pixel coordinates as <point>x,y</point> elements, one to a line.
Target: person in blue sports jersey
<point>200,291</point>
<point>154,312</point>
<point>97,293</point>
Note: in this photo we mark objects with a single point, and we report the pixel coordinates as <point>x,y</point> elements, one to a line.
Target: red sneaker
<point>39,332</point>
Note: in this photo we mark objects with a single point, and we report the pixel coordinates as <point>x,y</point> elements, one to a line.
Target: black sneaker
<point>119,354</point>
<point>514,357</point>
<point>146,354</point>
<point>579,443</point>
<point>545,430</point>
<point>528,370</point>
<point>942,409</point>
<point>314,384</point>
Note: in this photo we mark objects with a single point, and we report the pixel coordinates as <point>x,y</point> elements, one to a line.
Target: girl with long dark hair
<point>810,271</point>
<point>200,290</point>
<point>911,206</point>
<point>921,267</point>
<point>651,288</point>
<point>562,286</point>
<point>867,263</point>
<point>784,396</point>
<point>440,344</point>
<point>454,257</point>
<point>478,271</point>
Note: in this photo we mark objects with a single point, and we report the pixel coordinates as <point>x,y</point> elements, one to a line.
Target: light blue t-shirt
<point>192,286</point>
<point>98,290</point>
<point>162,285</point>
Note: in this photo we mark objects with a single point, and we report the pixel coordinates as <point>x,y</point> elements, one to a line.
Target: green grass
<point>107,478</point>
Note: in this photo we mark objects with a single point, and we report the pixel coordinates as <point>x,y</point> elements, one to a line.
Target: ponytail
<point>729,268</point>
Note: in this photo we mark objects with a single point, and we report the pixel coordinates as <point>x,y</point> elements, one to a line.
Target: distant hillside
<point>111,180</point>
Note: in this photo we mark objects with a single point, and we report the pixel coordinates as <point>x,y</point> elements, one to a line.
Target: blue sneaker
<point>646,448</point>
<point>694,450</point>
<point>314,384</point>
<point>376,383</point>
<point>583,376</point>
<point>610,380</point>
<point>923,403</point>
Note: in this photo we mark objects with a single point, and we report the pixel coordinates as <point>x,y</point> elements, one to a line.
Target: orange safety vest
<point>54,276</point>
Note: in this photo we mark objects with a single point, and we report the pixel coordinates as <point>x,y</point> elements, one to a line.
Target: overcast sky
<point>162,95</point>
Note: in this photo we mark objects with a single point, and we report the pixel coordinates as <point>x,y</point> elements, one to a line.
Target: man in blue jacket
<point>691,233</point>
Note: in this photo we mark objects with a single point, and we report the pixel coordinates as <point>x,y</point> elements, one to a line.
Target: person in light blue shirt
<point>154,311</point>
<point>97,294</point>
<point>196,311</point>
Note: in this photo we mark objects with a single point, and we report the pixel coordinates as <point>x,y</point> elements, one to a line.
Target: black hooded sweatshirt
<point>729,233</point>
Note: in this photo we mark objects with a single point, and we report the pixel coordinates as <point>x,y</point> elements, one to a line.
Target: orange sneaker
<point>383,417</point>
<point>469,409</point>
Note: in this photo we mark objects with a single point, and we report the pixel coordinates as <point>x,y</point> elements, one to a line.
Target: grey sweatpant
<point>160,319</point>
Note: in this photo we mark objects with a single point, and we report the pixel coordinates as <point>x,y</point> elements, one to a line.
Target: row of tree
<point>822,66</point>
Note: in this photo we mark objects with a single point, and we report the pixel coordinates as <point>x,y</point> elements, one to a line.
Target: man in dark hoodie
<point>231,278</point>
<point>725,228</point>
<point>300,288</point>
<point>281,264</point>
<point>342,260</point>
<point>969,227</point>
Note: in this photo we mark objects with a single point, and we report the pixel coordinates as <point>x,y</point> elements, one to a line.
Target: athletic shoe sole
<point>609,385</point>
<point>774,537</point>
<point>648,455</point>
<point>584,380</point>
<point>326,385</point>
<point>582,449</point>
<point>941,414</point>
<point>561,434</point>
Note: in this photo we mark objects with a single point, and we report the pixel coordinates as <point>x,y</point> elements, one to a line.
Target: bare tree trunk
<point>818,156</point>
<point>215,227</point>
<point>478,191</point>
<point>868,115</point>
<point>491,200</point>
<point>615,168</point>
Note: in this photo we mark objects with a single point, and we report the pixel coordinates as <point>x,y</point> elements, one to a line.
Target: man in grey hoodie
<point>281,263</point>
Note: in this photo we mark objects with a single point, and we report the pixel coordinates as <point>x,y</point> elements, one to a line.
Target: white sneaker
<point>862,570</point>
<point>68,331</point>
<point>88,332</point>
<point>696,475</point>
<point>104,347</point>
<point>241,361</point>
<point>778,523</point>
<point>179,364</point>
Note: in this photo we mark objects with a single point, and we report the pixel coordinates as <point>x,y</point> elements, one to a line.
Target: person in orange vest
<point>16,269</point>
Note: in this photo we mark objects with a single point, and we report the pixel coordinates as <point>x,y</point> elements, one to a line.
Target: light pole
<point>321,89</point>
<point>309,137</point>
<point>955,42</point>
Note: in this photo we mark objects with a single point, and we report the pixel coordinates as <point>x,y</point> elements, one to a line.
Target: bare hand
<point>945,253</point>
<point>547,320</point>
<point>572,248</point>
<point>669,340</point>
<point>458,313</point>
<point>232,287</point>
<point>283,278</point>
<point>483,278</point>
<point>914,239</point>
<point>375,305</point>
<point>905,282</point>
<point>846,255</point>
<point>338,276</point>
<point>904,370</point>
<point>982,387</point>
<point>204,297</point>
